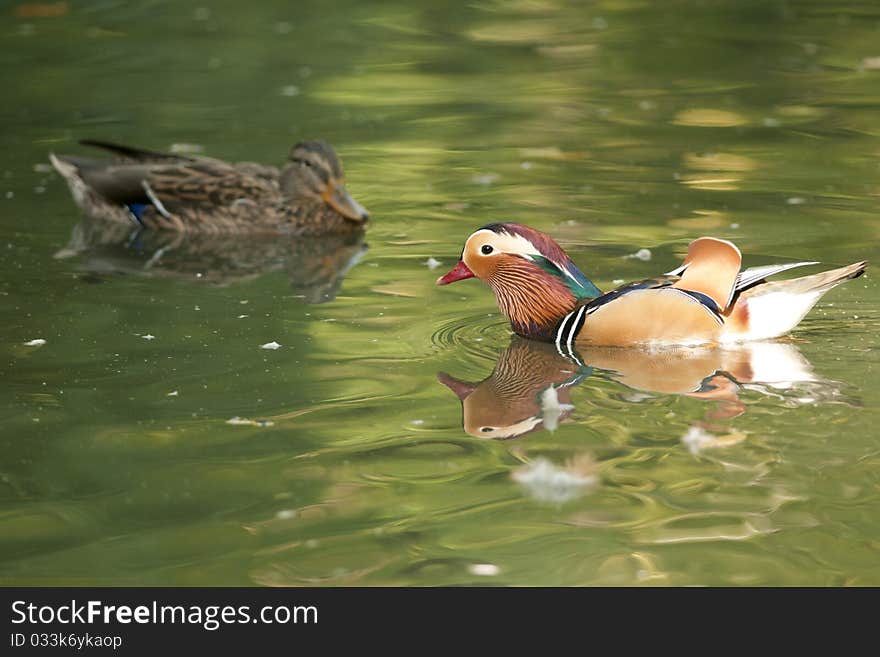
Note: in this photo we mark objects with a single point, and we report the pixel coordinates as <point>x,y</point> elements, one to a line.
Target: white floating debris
<point>241,316</point>
<point>417,422</point>
<point>286,514</point>
<point>270,345</point>
<point>290,90</point>
<point>173,393</point>
<point>485,179</point>
<point>796,200</point>
<point>10,194</point>
<point>547,482</point>
<point>184,147</point>
<point>734,226</point>
<point>618,281</point>
<point>525,166</point>
<point>697,439</point>
<point>871,63</point>
<point>148,336</point>
<point>484,569</point>
<point>432,263</point>
<point>641,254</point>
<point>39,342</point>
<point>243,421</point>
<point>551,409</point>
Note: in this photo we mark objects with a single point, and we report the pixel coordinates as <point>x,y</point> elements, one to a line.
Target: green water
<point>615,126</point>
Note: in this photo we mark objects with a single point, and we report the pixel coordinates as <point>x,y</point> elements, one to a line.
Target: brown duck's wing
<point>711,267</point>
<point>207,185</point>
<point>195,191</point>
<point>117,183</point>
<point>257,170</point>
<point>134,154</point>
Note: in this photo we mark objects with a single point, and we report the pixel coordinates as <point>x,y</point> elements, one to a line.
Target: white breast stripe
<point>575,325</point>
<point>560,331</point>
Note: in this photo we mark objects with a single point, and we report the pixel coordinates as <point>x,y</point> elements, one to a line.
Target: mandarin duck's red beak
<point>457,273</point>
<point>462,389</point>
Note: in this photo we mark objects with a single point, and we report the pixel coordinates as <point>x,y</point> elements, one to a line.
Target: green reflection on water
<point>614,126</point>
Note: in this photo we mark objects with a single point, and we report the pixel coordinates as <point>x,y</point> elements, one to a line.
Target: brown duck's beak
<point>458,273</point>
<point>338,198</point>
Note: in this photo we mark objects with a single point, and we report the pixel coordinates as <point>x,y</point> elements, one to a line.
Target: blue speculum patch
<point>137,209</point>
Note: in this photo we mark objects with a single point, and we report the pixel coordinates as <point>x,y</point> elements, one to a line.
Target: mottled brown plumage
<point>164,191</point>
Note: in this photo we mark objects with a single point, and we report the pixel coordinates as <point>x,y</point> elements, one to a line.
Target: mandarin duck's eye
<point>486,249</point>
<point>487,429</point>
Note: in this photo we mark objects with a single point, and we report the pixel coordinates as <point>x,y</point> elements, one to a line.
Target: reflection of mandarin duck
<point>528,390</point>
<point>199,194</point>
<point>710,373</point>
<point>708,299</point>
<point>316,266</point>
<point>530,386</point>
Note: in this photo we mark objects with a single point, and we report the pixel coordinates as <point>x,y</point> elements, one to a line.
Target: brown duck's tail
<point>66,166</point>
<point>769,310</point>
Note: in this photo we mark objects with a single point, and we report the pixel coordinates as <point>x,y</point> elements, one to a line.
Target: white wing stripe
<point>754,274</point>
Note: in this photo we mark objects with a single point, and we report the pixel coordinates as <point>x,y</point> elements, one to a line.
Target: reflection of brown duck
<point>316,266</point>
<point>530,385</point>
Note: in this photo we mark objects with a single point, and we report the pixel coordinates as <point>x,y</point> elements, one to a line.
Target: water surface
<point>151,440</point>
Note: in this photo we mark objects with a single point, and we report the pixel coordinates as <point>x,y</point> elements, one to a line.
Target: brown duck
<point>165,191</point>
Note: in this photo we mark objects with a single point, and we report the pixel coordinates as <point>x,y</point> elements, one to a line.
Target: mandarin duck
<point>166,191</point>
<point>707,299</point>
<point>530,387</point>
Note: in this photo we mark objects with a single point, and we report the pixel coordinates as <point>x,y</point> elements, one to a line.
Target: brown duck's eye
<point>487,429</point>
<point>486,249</point>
